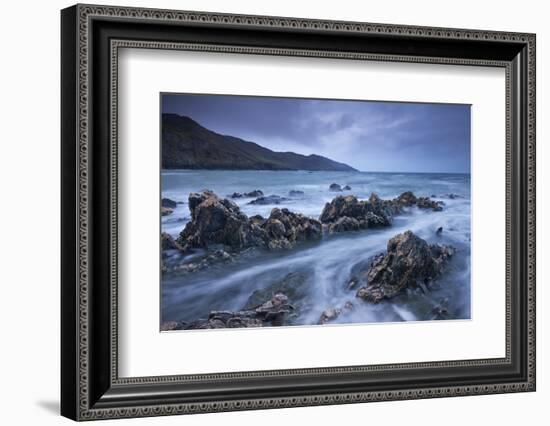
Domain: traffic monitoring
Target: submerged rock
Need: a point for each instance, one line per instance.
(295, 193)
(292, 285)
(346, 188)
(251, 194)
(409, 262)
(331, 314)
(439, 231)
(165, 211)
(167, 202)
(334, 187)
(269, 199)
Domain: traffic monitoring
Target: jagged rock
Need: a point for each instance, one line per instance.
(331, 314)
(328, 315)
(214, 221)
(347, 213)
(251, 194)
(220, 221)
(168, 243)
(270, 312)
(283, 229)
(165, 211)
(344, 224)
(295, 193)
(409, 263)
(269, 199)
(439, 230)
(167, 202)
(334, 187)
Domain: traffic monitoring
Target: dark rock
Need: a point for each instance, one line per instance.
(283, 229)
(331, 314)
(439, 230)
(167, 202)
(346, 188)
(328, 315)
(344, 224)
(274, 310)
(269, 199)
(168, 243)
(165, 211)
(347, 213)
(270, 312)
(251, 194)
(214, 221)
(408, 262)
(427, 203)
(293, 285)
(295, 193)
(220, 221)
(334, 187)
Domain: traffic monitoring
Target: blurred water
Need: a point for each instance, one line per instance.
(328, 264)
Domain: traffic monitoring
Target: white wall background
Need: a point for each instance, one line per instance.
(29, 216)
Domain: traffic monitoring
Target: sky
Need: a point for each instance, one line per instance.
(369, 136)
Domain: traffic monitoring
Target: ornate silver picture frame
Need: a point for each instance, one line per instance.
(91, 39)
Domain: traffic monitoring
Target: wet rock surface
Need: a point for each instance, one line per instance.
(331, 314)
(334, 187)
(269, 199)
(269, 313)
(167, 202)
(295, 193)
(220, 221)
(410, 262)
(169, 243)
(347, 213)
(252, 194)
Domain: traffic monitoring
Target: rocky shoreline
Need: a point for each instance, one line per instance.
(222, 233)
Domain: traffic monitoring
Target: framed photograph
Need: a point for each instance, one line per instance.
(263, 212)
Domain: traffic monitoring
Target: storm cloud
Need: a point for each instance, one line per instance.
(367, 135)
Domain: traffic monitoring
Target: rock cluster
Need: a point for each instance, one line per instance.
(220, 221)
(271, 312)
(409, 262)
(347, 213)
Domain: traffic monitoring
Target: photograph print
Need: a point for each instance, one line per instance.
(312, 212)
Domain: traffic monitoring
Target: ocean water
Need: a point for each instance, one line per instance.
(328, 264)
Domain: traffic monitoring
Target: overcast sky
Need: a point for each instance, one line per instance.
(370, 136)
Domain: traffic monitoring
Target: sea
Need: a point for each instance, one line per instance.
(328, 264)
